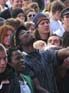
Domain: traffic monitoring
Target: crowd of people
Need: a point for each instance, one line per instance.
(34, 46)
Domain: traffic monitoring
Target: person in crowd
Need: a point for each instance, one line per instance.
(56, 26)
(8, 79)
(65, 18)
(66, 3)
(2, 21)
(30, 14)
(16, 3)
(30, 26)
(13, 22)
(40, 3)
(8, 12)
(18, 13)
(35, 6)
(6, 32)
(41, 67)
(3, 5)
(54, 40)
(16, 60)
(42, 26)
(63, 71)
(25, 3)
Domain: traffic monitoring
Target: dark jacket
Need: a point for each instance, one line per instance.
(13, 86)
(42, 66)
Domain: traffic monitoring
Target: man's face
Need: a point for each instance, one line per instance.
(44, 27)
(3, 61)
(17, 61)
(17, 3)
(26, 38)
(54, 40)
(65, 20)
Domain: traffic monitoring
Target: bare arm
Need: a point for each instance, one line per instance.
(63, 53)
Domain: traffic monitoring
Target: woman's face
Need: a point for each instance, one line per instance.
(6, 40)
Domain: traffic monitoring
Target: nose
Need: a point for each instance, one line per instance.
(52, 42)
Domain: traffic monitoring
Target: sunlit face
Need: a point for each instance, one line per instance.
(3, 61)
(44, 27)
(17, 3)
(6, 40)
(54, 40)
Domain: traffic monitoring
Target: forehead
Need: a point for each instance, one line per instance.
(16, 53)
(53, 38)
(16, 1)
(43, 21)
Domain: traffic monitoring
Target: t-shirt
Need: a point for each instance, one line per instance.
(56, 27)
(24, 87)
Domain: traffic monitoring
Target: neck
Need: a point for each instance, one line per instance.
(28, 49)
(66, 28)
(44, 36)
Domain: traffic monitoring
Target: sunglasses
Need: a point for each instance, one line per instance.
(31, 15)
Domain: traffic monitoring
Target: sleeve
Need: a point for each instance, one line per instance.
(52, 57)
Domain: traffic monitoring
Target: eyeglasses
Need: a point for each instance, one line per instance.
(31, 15)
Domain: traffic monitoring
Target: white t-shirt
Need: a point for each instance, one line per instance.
(24, 87)
(56, 27)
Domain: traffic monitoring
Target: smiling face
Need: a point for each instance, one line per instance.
(17, 3)
(17, 61)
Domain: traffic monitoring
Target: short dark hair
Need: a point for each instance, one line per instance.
(58, 37)
(9, 52)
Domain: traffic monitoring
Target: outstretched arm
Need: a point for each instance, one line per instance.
(63, 53)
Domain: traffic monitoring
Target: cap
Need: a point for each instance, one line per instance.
(65, 12)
